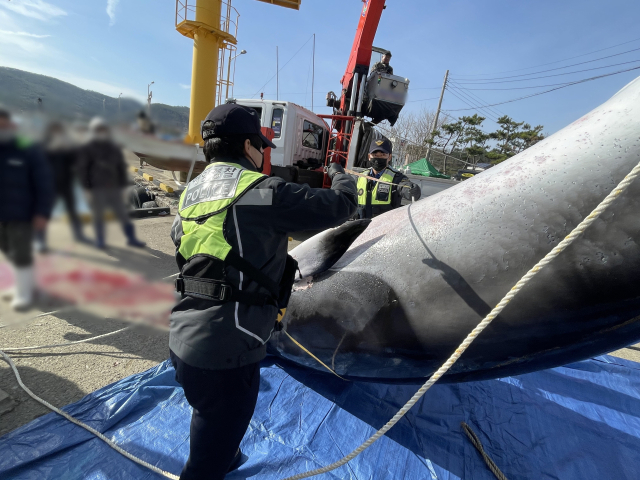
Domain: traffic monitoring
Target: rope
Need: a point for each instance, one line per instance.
(16, 349)
(95, 432)
(313, 356)
(353, 172)
(487, 459)
(549, 257)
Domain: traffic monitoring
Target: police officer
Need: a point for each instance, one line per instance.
(231, 240)
(383, 66)
(26, 200)
(374, 197)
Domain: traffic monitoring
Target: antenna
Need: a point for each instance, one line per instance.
(313, 69)
(277, 76)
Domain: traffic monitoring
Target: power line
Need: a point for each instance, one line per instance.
(477, 99)
(280, 69)
(551, 63)
(515, 88)
(423, 100)
(474, 107)
(497, 111)
(554, 75)
(553, 89)
(559, 68)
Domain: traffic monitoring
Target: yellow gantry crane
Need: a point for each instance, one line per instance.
(213, 26)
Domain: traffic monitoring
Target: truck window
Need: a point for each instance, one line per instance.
(312, 135)
(276, 121)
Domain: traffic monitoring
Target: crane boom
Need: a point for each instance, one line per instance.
(361, 50)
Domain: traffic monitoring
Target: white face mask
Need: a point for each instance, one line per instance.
(6, 135)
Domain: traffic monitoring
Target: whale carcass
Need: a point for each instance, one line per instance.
(418, 279)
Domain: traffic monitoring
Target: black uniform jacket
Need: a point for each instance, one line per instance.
(217, 335)
(401, 190)
(26, 186)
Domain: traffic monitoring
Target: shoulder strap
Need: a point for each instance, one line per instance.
(253, 273)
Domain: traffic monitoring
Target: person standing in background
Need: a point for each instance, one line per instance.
(103, 173)
(26, 199)
(62, 156)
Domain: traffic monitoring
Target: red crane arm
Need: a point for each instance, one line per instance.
(361, 50)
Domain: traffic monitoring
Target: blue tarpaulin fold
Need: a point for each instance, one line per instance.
(574, 422)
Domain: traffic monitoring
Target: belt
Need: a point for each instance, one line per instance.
(213, 290)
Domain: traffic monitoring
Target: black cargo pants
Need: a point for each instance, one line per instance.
(223, 402)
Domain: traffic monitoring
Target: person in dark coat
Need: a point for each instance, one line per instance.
(26, 199)
(376, 198)
(231, 247)
(383, 66)
(103, 173)
(62, 156)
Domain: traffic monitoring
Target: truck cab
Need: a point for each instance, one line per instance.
(299, 134)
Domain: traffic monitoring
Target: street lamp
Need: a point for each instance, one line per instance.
(242, 52)
(149, 95)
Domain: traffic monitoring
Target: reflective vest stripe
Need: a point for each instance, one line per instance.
(204, 204)
(381, 194)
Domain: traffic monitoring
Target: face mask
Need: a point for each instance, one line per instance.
(378, 164)
(255, 161)
(6, 135)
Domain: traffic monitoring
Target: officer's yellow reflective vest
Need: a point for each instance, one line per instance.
(204, 204)
(381, 194)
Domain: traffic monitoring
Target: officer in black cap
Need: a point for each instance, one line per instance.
(377, 197)
(235, 275)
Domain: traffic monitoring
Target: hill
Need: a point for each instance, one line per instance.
(20, 90)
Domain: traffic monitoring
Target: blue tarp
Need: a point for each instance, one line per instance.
(581, 421)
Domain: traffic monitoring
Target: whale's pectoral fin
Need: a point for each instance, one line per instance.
(323, 250)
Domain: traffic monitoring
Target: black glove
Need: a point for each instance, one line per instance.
(411, 191)
(334, 169)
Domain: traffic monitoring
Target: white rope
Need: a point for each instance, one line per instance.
(39, 347)
(80, 424)
(575, 233)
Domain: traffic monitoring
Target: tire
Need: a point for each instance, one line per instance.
(139, 196)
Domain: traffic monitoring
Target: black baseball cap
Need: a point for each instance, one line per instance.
(380, 145)
(233, 119)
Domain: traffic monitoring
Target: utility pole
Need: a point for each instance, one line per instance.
(313, 69)
(103, 107)
(435, 120)
(277, 76)
(119, 104)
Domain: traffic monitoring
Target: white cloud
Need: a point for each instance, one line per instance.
(22, 40)
(37, 9)
(186, 87)
(111, 10)
(23, 34)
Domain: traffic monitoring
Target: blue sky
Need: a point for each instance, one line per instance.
(114, 46)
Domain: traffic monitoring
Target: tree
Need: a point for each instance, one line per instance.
(506, 134)
(466, 136)
(530, 136)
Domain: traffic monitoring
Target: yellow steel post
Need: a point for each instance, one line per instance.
(206, 43)
(209, 36)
